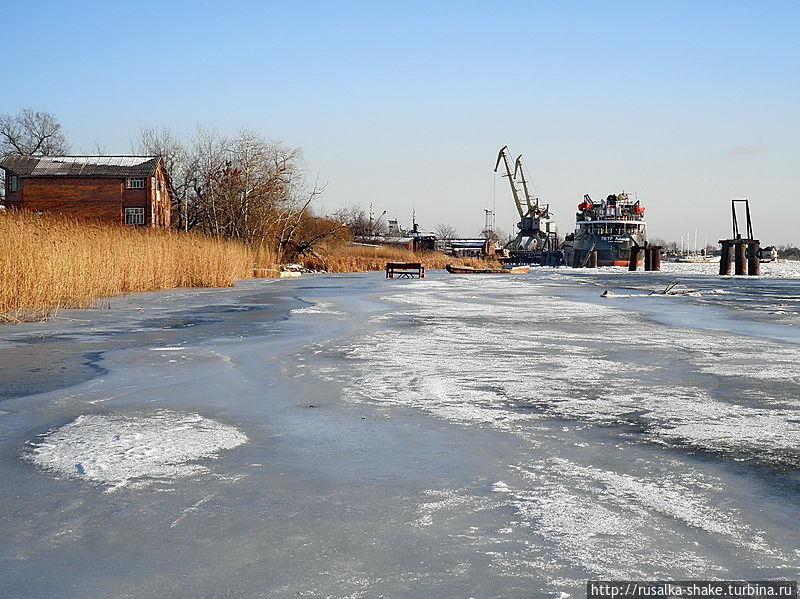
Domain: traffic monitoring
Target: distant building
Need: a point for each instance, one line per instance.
(768, 254)
(395, 230)
(422, 241)
(130, 190)
(414, 240)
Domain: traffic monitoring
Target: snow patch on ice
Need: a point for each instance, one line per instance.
(500, 487)
(615, 524)
(536, 360)
(318, 308)
(446, 504)
(137, 449)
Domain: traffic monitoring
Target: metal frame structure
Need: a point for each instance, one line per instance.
(736, 233)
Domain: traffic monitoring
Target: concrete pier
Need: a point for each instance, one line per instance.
(655, 261)
(739, 258)
(744, 255)
(634, 261)
(725, 258)
(652, 257)
(753, 263)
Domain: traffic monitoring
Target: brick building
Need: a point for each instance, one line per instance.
(131, 190)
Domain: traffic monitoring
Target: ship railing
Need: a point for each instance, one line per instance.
(634, 218)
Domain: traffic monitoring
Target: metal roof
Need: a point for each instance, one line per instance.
(468, 243)
(81, 166)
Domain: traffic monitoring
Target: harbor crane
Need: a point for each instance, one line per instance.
(519, 168)
(505, 157)
(537, 233)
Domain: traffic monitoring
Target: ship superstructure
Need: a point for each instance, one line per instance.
(611, 227)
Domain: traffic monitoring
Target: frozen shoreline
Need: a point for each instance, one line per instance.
(442, 457)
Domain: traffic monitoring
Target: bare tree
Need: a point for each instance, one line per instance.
(32, 133)
(258, 191)
(490, 235)
(244, 187)
(164, 143)
(667, 246)
(206, 162)
(445, 231)
(355, 219)
(502, 236)
(302, 231)
(359, 223)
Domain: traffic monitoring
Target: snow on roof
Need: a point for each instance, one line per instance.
(81, 166)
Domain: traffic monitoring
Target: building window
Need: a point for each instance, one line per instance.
(134, 183)
(134, 216)
(13, 183)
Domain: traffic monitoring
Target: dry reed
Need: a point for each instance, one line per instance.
(363, 258)
(50, 262)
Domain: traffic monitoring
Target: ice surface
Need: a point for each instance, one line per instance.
(318, 307)
(353, 436)
(789, 269)
(519, 357)
(140, 448)
(563, 357)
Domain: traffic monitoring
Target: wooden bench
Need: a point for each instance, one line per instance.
(405, 270)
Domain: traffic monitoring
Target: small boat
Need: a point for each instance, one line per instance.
(469, 270)
(697, 259)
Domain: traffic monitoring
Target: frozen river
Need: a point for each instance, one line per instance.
(348, 436)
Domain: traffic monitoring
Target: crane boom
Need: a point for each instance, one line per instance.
(503, 155)
(519, 167)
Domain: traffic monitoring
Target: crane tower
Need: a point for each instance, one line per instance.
(537, 235)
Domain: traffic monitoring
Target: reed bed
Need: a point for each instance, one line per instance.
(362, 258)
(51, 262)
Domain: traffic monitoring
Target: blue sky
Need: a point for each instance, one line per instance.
(405, 105)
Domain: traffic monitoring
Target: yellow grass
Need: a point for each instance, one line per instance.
(50, 262)
(359, 258)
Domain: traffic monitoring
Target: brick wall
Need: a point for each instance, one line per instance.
(137, 198)
(93, 197)
(161, 202)
(99, 199)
